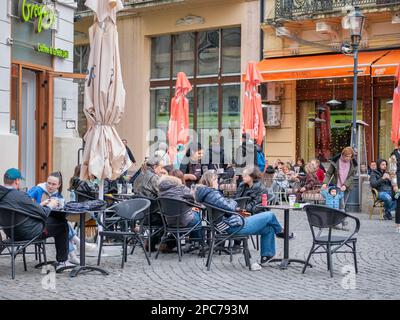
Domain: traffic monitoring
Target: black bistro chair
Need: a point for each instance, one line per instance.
(152, 226)
(322, 220)
(218, 238)
(9, 220)
(174, 209)
(131, 212)
(242, 202)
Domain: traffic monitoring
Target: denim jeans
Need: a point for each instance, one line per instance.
(196, 234)
(388, 201)
(264, 224)
(71, 234)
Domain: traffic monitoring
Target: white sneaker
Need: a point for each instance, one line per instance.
(255, 266)
(61, 266)
(90, 246)
(73, 258)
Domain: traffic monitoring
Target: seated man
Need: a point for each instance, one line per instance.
(55, 226)
(380, 180)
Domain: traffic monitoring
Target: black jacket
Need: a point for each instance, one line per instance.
(254, 192)
(170, 189)
(396, 153)
(376, 181)
(246, 155)
(20, 201)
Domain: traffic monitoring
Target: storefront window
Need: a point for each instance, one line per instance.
(231, 46)
(385, 128)
(231, 106)
(160, 57)
(325, 130)
(200, 52)
(208, 52)
(183, 53)
(159, 110)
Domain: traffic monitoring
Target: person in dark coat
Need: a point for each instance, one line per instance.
(246, 154)
(380, 180)
(192, 164)
(39, 220)
(172, 187)
(264, 224)
(341, 172)
(252, 187)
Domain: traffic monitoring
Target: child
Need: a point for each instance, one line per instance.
(332, 197)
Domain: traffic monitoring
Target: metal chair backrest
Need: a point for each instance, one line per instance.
(153, 202)
(12, 218)
(172, 207)
(323, 217)
(133, 209)
(242, 202)
(375, 194)
(216, 214)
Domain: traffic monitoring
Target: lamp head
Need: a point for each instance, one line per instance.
(356, 20)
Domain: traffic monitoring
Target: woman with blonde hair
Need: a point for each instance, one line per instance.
(264, 224)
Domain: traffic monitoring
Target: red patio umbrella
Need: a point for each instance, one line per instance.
(179, 119)
(396, 110)
(253, 122)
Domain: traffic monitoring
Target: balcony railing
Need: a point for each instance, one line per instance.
(290, 9)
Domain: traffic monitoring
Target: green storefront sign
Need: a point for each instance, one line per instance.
(64, 54)
(42, 15)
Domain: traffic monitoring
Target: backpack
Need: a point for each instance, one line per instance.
(261, 160)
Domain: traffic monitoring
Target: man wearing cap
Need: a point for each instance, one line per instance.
(55, 226)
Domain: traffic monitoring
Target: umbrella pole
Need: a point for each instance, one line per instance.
(101, 197)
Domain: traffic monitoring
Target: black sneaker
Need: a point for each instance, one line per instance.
(282, 235)
(388, 215)
(265, 260)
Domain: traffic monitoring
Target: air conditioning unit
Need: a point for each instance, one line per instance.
(272, 115)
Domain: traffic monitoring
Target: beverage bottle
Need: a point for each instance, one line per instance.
(264, 199)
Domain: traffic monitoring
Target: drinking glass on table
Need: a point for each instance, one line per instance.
(129, 188)
(119, 188)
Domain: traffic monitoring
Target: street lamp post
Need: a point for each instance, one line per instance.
(356, 22)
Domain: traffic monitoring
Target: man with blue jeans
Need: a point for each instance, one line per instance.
(380, 180)
(267, 226)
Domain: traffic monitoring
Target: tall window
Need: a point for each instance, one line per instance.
(211, 60)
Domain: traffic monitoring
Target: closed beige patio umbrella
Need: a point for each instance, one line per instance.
(104, 155)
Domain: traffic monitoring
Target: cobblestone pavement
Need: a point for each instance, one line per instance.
(166, 278)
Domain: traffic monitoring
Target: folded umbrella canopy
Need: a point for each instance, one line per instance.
(396, 110)
(178, 127)
(105, 154)
(253, 121)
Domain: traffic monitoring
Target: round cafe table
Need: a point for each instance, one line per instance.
(286, 260)
(82, 265)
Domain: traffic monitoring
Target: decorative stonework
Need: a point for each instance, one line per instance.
(190, 20)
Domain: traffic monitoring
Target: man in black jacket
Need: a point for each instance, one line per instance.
(55, 226)
(380, 180)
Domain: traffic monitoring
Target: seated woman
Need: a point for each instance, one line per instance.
(42, 193)
(311, 180)
(264, 224)
(173, 187)
(253, 188)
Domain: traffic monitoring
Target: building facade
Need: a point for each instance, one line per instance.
(312, 80)
(38, 110)
(211, 41)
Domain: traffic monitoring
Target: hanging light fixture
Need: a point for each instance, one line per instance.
(333, 102)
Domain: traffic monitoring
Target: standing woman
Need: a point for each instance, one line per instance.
(341, 172)
(396, 156)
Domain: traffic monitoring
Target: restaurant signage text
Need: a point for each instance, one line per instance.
(43, 15)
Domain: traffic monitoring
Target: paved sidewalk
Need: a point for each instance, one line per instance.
(166, 278)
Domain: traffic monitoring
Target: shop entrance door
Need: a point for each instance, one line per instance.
(28, 127)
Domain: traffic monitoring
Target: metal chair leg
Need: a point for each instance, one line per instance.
(308, 259)
(210, 253)
(355, 257)
(100, 249)
(24, 259)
